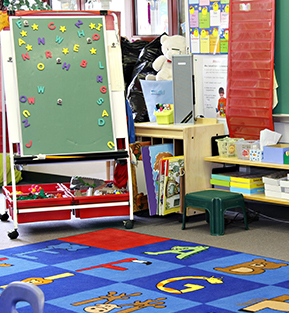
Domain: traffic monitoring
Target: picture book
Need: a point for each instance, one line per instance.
(172, 184)
(136, 148)
(162, 174)
(151, 156)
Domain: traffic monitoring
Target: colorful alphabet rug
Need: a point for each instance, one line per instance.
(121, 271)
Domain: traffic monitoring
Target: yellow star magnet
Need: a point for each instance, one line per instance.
(29, 47)
(92, 51)
(23, 33)
(34, 26)
(65, 51)
(62, 29)
(92, 26)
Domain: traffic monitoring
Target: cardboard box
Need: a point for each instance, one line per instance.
(275, 153)
(284, 183)
(273, 194)
(284, 195)
(274, 178)
(272, 187)
(285, 189)
(286, 157)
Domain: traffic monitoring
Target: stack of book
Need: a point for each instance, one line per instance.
(247, 184)
(221, 181)
(238, 182)
(272, 184)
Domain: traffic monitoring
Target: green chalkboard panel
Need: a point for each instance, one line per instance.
(63, 84)
(281, 55)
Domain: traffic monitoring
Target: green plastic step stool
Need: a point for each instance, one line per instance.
(216, 203)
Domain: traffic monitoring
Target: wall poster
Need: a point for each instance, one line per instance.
(215, 86)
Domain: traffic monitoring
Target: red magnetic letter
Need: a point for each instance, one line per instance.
(48, 54)
(95, 36)
(51, 26)
(103, 89)
(83, 63)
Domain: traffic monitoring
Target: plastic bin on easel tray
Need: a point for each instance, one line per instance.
(63, 199)
(250, 68)
(108, 205)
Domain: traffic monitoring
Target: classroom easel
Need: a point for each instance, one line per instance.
(117, 106)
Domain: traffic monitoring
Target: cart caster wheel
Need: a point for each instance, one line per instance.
(13, 234)
(4, 217)
(128, 224)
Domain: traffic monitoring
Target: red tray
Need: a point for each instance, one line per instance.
(119, 210)
(48, 188)
(95, 199)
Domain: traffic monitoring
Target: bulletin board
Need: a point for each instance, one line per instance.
(209, 26)
(63, 84)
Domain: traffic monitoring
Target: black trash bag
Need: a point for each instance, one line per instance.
(130, 53)
(142, 68)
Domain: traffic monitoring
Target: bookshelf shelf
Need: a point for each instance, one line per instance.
(255, 197)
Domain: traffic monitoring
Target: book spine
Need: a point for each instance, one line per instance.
(247, 186)
(246, 180)
(220, 182)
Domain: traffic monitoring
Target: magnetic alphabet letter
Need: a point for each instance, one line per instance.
(110, 144)
(83, 63)
(51, 26)
(28, 145)
(101, 122)
(100, 101)
(103, 89)
(40, 66)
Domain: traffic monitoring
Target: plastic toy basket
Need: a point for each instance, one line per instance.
(244, 146)
(227, 147)
(114, 204)
(27, 210)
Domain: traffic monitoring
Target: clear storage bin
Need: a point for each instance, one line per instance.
(244, 146)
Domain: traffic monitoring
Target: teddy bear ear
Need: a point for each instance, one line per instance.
(164, 38)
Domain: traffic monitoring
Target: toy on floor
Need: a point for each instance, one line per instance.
(21, 291)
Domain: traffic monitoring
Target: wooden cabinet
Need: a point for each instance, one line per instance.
(191, 140)
(256, 197)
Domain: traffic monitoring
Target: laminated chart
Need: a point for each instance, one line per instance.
(63, 85)
(209, 26)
